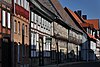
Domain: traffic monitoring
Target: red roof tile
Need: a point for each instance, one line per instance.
(95, 23)
(81, 23)
(74, 15)
(87, 25)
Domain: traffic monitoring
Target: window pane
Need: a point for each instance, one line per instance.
(35, 18)
(23, 29)
(14, 25)
(3, 18)
(25, 4)
(31, 24)
(8, 20)
(31, 16)
(26, 30)
(19, 2)
(18, 53)
(31, 38)
(18, 27)
(14, 1)
(22, 3)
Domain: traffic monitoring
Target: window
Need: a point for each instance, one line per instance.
(31, 16)
(33, 44)
(97, 33)
(45, 24)
(49, 26)
(33, 38)
(3, 18)
(25, 4)
(35, 18)
(42, 22)
(18, 1)
(23, 29)
(31, 24)
(14, 1)
(91, 32)
(47, 47)
(23, 50)
(18, 27)
(22, 3)
(26, 30)
(8, 19)
(15, 26)
(87, 30)
(18, 57)
(39, 18)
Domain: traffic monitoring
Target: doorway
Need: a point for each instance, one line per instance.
(6, 52)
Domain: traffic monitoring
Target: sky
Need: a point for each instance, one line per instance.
(91, 8)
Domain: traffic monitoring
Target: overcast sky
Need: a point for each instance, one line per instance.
(89, 7)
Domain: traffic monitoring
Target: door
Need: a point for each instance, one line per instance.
(41, 61)
(6, 52)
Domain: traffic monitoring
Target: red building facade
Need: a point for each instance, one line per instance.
(5, 33)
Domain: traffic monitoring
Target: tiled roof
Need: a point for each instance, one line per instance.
(81, 23)
(48, 5)
(95, 23)
(63, 14)
(87, 25)
(74, 15)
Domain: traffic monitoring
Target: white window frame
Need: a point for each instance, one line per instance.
(3, 18)
(8, 19)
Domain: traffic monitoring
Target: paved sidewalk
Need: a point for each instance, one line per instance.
(63, 64)
(74, 64)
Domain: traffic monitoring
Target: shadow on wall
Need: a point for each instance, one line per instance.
(92, 56)
(72, 57)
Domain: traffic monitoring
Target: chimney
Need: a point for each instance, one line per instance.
(84, 17)
(79, 12)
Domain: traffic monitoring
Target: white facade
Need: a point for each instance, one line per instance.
(40, 27)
